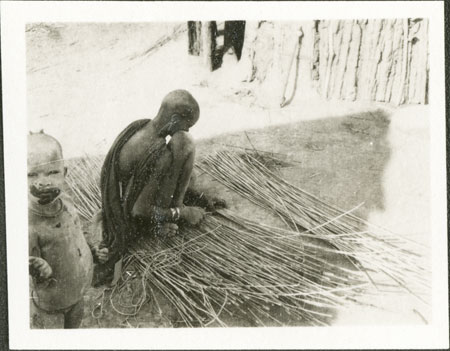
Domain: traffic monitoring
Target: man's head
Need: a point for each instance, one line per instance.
(179, 111)
(46, 171)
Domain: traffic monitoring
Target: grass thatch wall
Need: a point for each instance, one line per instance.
(382, 60)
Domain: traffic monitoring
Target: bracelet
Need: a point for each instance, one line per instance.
(177, 209)
(174, 213)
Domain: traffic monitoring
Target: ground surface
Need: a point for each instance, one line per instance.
(85, 84)
(346, 161)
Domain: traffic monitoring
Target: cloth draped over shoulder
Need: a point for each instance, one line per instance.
(120, 195)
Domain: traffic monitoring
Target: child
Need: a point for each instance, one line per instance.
(60, 259)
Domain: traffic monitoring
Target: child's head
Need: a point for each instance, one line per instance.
(46, 171)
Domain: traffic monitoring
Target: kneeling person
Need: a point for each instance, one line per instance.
(144, 179)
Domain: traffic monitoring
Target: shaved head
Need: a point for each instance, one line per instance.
(180, 102)
(43, 148)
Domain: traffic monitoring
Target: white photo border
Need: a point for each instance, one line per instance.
(14, 16)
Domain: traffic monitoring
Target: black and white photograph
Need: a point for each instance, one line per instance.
(226, 172)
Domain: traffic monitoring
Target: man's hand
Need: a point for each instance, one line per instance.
(215, 204)
(39, 268)
(192, 215)
(166, 230)
(102, 255)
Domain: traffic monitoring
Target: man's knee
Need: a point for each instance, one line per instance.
(182, 144)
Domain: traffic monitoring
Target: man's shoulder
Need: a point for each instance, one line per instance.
(123, 139)
(136, 125)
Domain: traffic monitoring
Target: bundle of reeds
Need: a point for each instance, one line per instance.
(83, 179)
(231, 265)
(380, 256)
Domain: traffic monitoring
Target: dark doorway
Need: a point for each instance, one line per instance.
(234, 36)
(213, 39)
(229, 34)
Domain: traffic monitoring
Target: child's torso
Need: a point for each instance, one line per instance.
(62, 244)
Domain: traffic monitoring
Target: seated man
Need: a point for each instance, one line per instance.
(144, 179)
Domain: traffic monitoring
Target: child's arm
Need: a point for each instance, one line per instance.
(38, 267)
(94, 238)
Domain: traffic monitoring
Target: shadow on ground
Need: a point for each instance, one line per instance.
(340, 160)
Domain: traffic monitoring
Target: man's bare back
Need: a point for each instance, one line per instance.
(179, 112)
(153, 200)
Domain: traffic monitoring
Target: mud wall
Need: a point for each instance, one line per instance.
(382, 60)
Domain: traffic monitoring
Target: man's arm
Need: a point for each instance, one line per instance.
(146, 208)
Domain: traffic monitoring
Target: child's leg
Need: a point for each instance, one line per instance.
(40, 319)
(74, 316)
